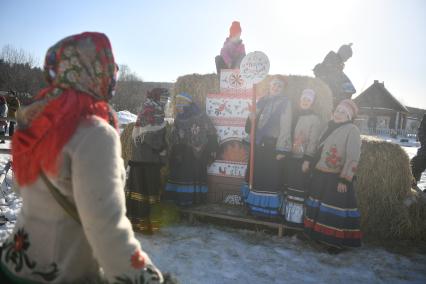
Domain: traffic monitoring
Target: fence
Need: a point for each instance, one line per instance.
(389, 132)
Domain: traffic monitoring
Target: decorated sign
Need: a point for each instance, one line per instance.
(229, 111)
(254, 67)
(231, 81)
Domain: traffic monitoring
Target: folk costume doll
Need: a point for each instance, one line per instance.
(331, 72)
(305, 140)
(233, 50)
(193, 146)
(332, 215)
(148, 156)
(272, 145)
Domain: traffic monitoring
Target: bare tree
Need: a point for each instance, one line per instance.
(12, 55)
(19, 72)
(127, 75)
(129, 91)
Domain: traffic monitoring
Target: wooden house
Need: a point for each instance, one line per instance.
(379, 109)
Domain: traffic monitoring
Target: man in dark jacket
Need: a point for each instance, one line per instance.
(331, 72)
(418, 163)
(13, 106)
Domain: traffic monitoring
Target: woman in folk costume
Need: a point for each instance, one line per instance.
(332, 215)
(67, 163)
(233, 50)
(305, 140)
(273, 143)
(193, 147)
(148, 156)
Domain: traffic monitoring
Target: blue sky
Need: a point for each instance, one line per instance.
(162, 40)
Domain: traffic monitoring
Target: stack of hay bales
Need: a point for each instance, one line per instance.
(383, 183)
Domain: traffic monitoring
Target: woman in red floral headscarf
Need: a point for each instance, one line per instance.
(69, 172)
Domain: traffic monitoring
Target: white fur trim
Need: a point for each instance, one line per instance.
(139, 131)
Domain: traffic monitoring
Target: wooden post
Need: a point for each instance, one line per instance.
(191, 218)
(252, 136)
(280, 230)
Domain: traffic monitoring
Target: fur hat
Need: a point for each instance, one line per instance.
(350, 108)
(157, 93)
(345, 52)
(309, 93)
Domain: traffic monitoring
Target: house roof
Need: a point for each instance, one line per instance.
(378, 97)
(416, 113)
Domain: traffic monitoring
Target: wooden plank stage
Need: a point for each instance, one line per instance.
(232, 213)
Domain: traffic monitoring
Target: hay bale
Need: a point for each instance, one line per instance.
(383, 183)
(126, 142)
(198, 86)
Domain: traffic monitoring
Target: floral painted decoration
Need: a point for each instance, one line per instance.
(332, 160)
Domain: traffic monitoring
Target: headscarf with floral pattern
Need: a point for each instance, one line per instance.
(81, 74)
(151, 115)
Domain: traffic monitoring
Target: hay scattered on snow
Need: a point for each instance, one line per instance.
(383, 183)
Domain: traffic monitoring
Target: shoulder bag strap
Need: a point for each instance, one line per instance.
(61, 199)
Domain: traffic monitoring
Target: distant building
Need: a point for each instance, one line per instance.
(380, 110)
(414, 118)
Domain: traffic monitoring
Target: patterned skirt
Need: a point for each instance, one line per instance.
(187, 182)
(143, 192)
(295, 193)
(332, 217)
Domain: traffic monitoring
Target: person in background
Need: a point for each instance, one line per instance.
(332, 216)
(418, 162)
(331, 72)
(193, 147)
(233, 50)
(305, 140)
(13, 104)
(272, 145)
(68, 169)
(3, 117)
(148, 156)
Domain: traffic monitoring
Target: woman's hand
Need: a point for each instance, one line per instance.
(305, 166)
(342, 188)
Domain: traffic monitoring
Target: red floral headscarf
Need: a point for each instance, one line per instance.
(81, 73)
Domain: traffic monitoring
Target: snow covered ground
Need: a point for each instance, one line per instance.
(209, 254)
(203, 253)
